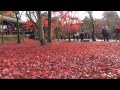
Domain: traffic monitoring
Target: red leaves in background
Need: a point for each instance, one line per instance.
(60, 21)
(28, 25)
(75, 27)
(96, 60)
(66, 20)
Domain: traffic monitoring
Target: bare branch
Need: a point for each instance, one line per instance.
(29, 16)
(35, 16)
(20, 14)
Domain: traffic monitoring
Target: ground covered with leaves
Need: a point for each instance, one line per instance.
(60, 60)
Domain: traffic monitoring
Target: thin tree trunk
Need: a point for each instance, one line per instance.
(18, 33)
(40, 29)
(93, 33)
(49, 26)
(70, 34)
(69, 37)
(23, 35)
(93, 29)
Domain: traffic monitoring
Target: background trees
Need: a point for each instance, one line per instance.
(68, 21)
(49, 24)
(111, 18)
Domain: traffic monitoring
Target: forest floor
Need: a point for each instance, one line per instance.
(60, 60)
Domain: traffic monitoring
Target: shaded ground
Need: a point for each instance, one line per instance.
(60, 60)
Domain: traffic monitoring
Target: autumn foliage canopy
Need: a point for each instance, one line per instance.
(61, 20)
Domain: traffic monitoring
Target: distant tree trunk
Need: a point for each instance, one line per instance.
(23, 35)
(69, 37)
(93, 33)
(40, 29)
(70, 34)
(18, 33)
(49, 26)
(92, 22)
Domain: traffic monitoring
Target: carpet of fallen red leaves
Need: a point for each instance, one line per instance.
(60, 60)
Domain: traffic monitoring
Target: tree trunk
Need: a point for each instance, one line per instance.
(70, 34)
(23, 35)
(69, 37)
(40, 29)
(18, 33)
(93, 29)
(49, 26)
(108, 23)
(93, 33)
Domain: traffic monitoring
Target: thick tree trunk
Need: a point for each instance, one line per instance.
(49, 26)
(40, 29)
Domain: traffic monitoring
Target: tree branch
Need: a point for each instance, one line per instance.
(30, 18)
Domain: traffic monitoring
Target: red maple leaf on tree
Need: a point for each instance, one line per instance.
(62, 20)
(68, 21)
(28, 24)
(74, 27)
